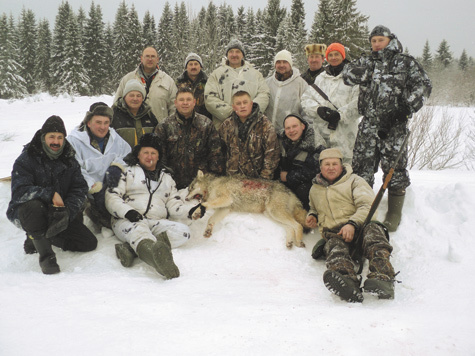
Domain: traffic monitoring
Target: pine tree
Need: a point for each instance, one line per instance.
(463, 61)
(426, 56)
(134, 38)
(262, 53)
(12, 85)
(299, 34)
(43, 57)
(226, 25)
(95, 54)
(165, 38)
(81, 21)
(110, 82)
(181, 42)
(149, 35)
(284, 35)
(272, 17)
(248, 36)
(240, 22)
(196, 35)
(58, 53)
(444, 56)
(212, 54)
(28, 46)
(122, 48)
(73, 78)
(351, 28)
(323, 23)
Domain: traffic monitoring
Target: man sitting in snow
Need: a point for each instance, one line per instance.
(48, 194)
(99, 149)
(339, 203)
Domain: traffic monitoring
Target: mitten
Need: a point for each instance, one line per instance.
(112, 176)
(133, 216)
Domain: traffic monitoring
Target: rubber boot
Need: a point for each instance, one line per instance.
(47, 257)
(383, 289)
(343, 286)
(158, 255)
(125, 253)
(395, 203)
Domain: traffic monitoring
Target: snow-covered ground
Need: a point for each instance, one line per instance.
(241, 292)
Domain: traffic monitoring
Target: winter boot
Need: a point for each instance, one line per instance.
(159, 256)
(343, 286)
(47, 257)
(125, 253)
(383, 289)
(28, 246)
(395, 203)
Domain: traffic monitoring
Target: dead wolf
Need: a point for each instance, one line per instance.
(241, 194)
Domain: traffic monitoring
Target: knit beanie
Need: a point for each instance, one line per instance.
(315, 48)
(330, 153)
(193, 57)
(336, 47)
(296, 116)
(134, 85)
(235, 43)
(381, 30)
(53, 124)
(283, 55)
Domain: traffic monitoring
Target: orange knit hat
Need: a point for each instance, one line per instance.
(335, 47)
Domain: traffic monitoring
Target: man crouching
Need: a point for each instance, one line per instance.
(48, 195)
(339, 203)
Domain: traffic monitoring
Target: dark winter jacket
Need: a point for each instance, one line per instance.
(189, 145)
(309, 76)
(393, 85)
(300, 158)
(36, 176)
(130, 127)
(258, 155)
(198, 88)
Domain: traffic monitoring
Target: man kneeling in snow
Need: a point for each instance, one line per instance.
(339, 203)
(48, 194)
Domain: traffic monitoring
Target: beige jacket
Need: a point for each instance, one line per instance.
(349, 198)
(161, 96)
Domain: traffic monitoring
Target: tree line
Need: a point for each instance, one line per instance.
(83, 55)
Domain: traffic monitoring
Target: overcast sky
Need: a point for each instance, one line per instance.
(413, 21)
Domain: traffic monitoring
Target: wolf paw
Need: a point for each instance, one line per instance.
(208, 231)
(196, 215)
(300, 244)
(289, 244)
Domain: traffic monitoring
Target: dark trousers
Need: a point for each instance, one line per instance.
(77, 237)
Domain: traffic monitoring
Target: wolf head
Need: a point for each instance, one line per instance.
(199, 186)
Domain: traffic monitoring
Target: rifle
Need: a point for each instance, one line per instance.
(322, 93)
(357, 253)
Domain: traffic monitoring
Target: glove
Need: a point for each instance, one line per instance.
(133, 216)
(112, 176)
(58, 220)
(192, 210)
(330, 116)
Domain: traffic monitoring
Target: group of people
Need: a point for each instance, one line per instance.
(322, 133)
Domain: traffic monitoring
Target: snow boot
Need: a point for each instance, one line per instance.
(28, 246)
(343, 286)
(395, 203)
(125, 253)
(158, 255)
(383, 289)
(48, 262)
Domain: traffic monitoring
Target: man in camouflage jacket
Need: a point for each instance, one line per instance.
(194, 78)
(393, 86)
(252, 146)
(190, 141)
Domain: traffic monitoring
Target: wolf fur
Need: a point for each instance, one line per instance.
(241, 194)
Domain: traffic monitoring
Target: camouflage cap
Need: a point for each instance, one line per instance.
(381, 30)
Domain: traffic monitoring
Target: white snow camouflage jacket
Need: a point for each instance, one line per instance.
(225, 81)
(285, 98)
(94, 163)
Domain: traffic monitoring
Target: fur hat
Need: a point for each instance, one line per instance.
(315, 48)
(193, 57)
(98, 108)
(150, 140)
(381, 30)
(53, 124)
(283, 55)
(235, 43)
(336, 47)
(134, 85)
(330, 153)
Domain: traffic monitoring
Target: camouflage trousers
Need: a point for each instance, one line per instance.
(376, 249)
(370, 151)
